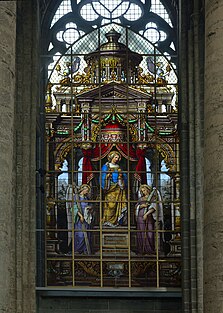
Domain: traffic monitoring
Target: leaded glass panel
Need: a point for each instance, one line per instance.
(112, 179)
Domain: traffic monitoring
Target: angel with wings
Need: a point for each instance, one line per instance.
(79, 218)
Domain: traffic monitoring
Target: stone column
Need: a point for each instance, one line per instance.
(7, 104)
(26, 107)
(196, 122)
(191, 67)
(213, 158)
(184, 152)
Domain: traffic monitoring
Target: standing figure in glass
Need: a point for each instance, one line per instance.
(148, 210)
(114, 183)
(82, 218)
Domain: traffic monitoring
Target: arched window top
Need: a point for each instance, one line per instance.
(152, 19)
(64, 8)
(111, 10)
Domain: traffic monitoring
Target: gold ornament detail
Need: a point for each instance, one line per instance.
(95, 132)
(134, 133)
(144, 78)
(140, 268)
(62, 151)
(48, 104)
(90, 268)
(82, 78)
(168, 155)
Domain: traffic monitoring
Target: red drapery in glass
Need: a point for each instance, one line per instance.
(127, 151)
(87, 166)
(140, 173)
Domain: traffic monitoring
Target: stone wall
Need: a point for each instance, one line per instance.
(108, 305)
(7, 153)
(213, 170)
(24, 165)
(19, 95)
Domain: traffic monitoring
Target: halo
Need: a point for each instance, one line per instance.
(145, 186)
(82, 187)
(112, 154)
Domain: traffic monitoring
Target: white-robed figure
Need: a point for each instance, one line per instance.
(79, 214)
(149, 217)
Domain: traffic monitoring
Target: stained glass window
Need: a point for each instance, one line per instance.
(64, 8)
(112, 149)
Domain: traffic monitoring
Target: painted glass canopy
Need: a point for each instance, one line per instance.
(112, 147)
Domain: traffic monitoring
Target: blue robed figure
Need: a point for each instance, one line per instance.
(114, 184)
(82, 219)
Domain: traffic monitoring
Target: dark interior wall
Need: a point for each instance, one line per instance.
(108, 305)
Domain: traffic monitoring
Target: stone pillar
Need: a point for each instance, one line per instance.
(184, 152)
(7, 104)
(196, 128)
(26, 106)
(191, 151)
(19, 98)
(213, 158)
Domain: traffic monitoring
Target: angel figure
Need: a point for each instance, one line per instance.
(79, 214)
